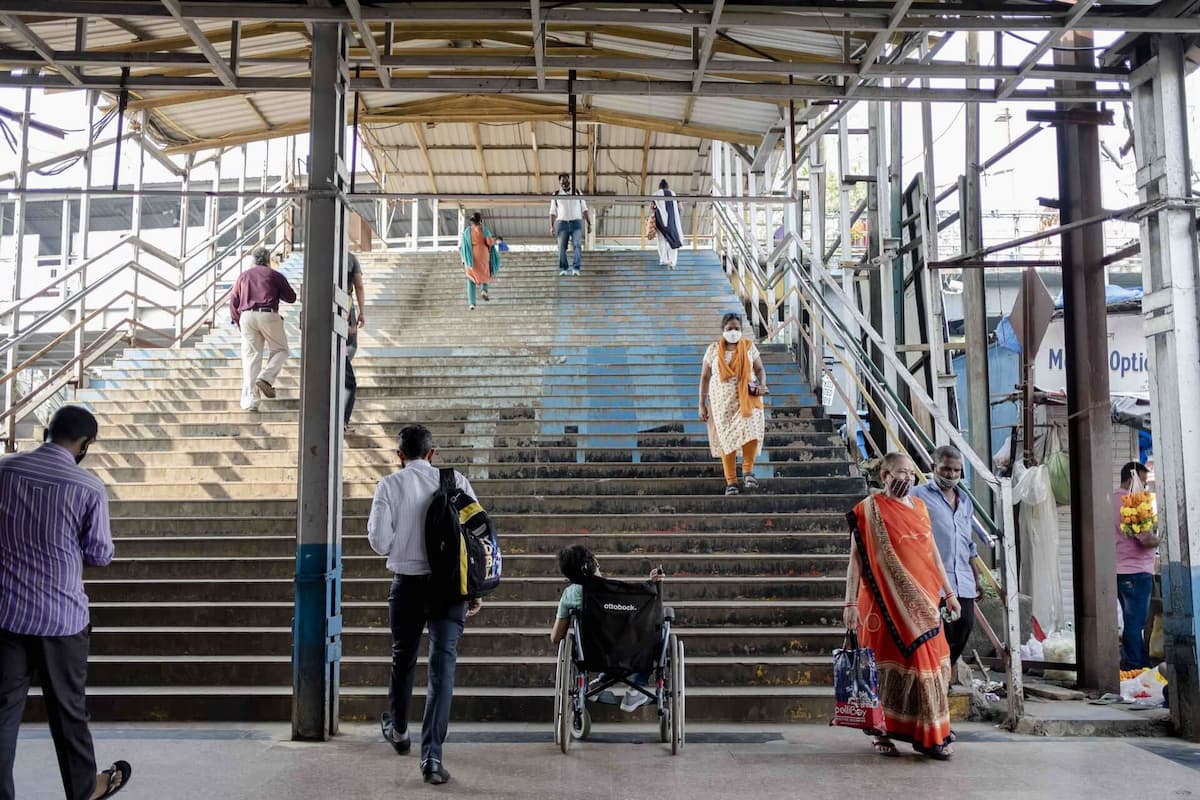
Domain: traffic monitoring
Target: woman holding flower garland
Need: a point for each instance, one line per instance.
(1137, 540)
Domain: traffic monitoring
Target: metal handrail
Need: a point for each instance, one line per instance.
(817, 292)
(267, 224)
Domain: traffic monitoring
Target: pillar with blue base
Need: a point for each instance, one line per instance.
(317, 624)
(1170, 265)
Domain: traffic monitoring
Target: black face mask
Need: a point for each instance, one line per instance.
(82, 453)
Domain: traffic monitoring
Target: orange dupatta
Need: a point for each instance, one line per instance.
(895, 544)
(740, 368)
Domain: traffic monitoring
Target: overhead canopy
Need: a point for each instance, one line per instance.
(472, 97)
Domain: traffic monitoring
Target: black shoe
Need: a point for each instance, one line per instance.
(401, 746)
(435, 774)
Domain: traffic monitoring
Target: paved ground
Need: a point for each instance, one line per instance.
(809, 761)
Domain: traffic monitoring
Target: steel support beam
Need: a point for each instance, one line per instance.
(539, 42)
(706, 45)
(368, 40)
(1089, 425)
(1172, 307)
(316, 653)
(1048, 41)
(41, 48)
(979, 409)
(215, 60)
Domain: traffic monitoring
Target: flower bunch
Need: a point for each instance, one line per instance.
(1137, 513)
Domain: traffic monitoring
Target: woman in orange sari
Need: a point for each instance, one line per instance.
(893, 587)
(480, 262)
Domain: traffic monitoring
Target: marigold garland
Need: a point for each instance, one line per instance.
(1137, 513)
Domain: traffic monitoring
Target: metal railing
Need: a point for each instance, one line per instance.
(111, 306)
(828, 316)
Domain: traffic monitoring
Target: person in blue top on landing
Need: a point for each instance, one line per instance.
(577, 564)
(951, 515)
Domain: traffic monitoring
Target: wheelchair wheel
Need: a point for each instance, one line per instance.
(677, 695)
(581, 725)
(562, 695)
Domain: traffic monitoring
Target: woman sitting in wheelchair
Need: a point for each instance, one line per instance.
(579, 566)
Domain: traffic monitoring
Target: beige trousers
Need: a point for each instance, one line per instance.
(261, 330)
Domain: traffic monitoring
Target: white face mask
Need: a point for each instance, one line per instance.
(733, 337)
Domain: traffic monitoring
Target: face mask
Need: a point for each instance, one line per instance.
(81, 455)
(899, 486)
(733, 337)
(945, 483)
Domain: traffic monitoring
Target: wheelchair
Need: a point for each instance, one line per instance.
(622, 630)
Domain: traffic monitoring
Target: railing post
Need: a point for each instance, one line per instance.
(415, 220)
(184, 204)
(212, 213)
(1012, 607)
(136, 212)
(10, 388)
(437, 232)
(85, 213)
(241, 201)
(816, 194)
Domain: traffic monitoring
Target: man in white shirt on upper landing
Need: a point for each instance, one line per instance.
(396, 529)
(568, 215)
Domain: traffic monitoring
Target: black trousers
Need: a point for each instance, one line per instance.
(351, 392)
(60, 663)
(411, 607)
(959, 631)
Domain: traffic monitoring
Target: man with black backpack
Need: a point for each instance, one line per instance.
(417, 504)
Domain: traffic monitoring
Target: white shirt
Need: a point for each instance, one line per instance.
(566, 208)
(396, 527)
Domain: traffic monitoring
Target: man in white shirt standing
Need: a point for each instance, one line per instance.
(396, 529)
(568, 215)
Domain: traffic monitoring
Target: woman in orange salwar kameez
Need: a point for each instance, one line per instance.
(893, 587)
(479, 262)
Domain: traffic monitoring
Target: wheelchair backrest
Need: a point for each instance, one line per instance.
(620, 628)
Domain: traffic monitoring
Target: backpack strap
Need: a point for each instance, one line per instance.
(446, 480)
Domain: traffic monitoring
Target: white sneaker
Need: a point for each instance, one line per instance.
(575, 273)
(633, 699)
(562, 273)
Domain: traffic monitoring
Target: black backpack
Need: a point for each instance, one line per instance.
(460, 542)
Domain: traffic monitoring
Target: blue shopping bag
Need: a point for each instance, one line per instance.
(856, 688)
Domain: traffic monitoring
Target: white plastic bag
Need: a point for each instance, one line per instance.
(1039, 539)
(1032, 650)
(1061, 648)
(1146, 689)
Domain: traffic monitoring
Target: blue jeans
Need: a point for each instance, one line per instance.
(573, 230)
(1133, 593)
(410, 605)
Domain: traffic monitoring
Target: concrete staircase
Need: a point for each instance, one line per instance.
(570, 403)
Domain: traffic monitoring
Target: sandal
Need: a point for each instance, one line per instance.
(941, 752)
(732, 489)
(751, 482)
(886, 748)
(124, 769)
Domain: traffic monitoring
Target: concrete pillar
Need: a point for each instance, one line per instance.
(1172, 309)
(316, 653)
(1089, 422)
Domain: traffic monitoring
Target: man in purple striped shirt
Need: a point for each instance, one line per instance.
(53, 522)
